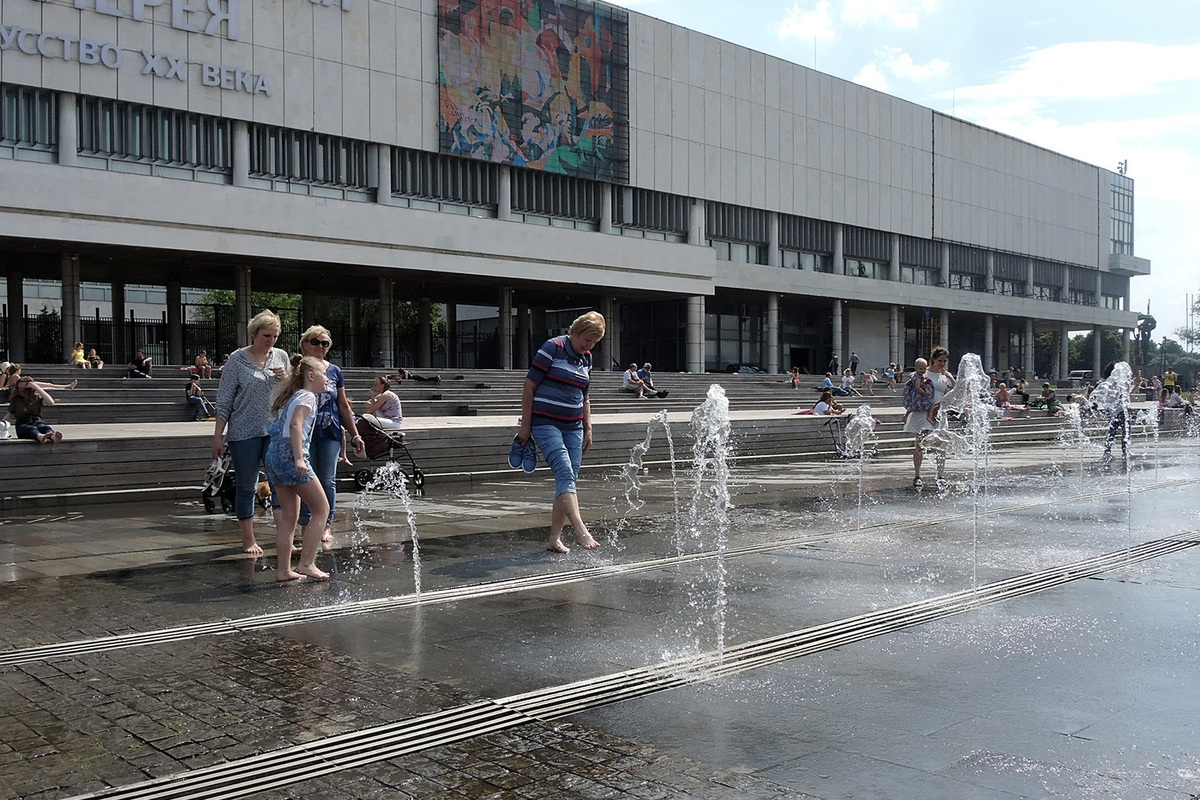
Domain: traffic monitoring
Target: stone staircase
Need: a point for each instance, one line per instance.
(128, 440)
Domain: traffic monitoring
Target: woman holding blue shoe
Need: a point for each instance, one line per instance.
(557, 417)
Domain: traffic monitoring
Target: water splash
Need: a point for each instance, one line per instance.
(860, 444)
(708, 517)
(631, 476)
(970, 401)
(387, 483)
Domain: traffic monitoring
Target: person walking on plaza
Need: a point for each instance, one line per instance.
(854, 362)
(942, 381)
(333, 416)
(556, 414)
(289, 469)
(244, 413)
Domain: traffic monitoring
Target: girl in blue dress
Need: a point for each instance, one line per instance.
(289, 470)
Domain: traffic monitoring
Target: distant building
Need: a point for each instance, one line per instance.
(717, 204)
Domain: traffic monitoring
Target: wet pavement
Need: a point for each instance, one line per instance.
(845, 668)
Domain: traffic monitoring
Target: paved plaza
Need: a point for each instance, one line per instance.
(1031, 631)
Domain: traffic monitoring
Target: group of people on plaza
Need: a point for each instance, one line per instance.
(25, 399)
(641, 381)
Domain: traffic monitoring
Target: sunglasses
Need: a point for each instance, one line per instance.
(320, 342)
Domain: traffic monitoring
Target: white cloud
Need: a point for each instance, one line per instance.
(894, 13)
(1089, 71)
(901, 65)
(807, 23)
(872, 78)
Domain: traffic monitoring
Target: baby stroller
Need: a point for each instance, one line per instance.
(220, 483)
(385, 445)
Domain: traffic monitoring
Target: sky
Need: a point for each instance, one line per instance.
(1104, 81)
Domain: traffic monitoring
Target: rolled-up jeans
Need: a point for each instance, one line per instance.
(323, 454)
(563, 451)
(247, 456)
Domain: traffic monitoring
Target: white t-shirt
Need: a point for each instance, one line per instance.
(627, 378)
(821, 409)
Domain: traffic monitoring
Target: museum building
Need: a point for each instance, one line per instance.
(532, 158)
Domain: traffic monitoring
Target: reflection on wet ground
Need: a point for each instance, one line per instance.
(1074, 691)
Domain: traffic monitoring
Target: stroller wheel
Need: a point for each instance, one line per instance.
(362, 478)
(418, 478)
(210, 505)
(226, 505)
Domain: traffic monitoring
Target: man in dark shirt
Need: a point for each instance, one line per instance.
(140, 366)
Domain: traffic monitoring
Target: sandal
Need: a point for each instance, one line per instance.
(918, 483)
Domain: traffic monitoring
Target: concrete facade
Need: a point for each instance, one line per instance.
(709, 121)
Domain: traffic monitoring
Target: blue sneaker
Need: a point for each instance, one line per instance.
(516, 454)
(529, 461)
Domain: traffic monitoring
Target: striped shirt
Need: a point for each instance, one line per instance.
(562, 377)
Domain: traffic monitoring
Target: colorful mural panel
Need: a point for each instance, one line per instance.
(536, 83)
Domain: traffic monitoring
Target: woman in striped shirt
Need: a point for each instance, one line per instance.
(556, 413)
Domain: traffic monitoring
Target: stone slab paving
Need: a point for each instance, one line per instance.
(916, 714)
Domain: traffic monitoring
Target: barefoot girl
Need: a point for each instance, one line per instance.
(295, 405)
(556, 414)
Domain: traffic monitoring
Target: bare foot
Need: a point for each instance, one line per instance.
(252, 548)
(585, 540)
(56, 437)
(290, 575)
(312, 572)
(327, 536)
(556, 546)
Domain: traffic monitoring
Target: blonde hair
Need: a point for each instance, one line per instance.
(263, 319)
(316, 330)
(295, 380)
(590, 324)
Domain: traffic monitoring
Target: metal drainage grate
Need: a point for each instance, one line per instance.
(281, 768)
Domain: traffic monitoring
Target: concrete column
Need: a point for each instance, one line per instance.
(452, 360)
(240, 150)
(385, 343)
(383, 174)
(612, 322)
(894, 354)
(773, 327)
(1066, 290)
(308, 308)
(627, 205)
(1124, 345)
(990, 279)
(945, 265)
(523, 354)
(70, 304)
(121, 351)
(424, 333)
(1097, 337)
(504, 344)
(1029, 277)
(944, 333)
(353, 316)
(836, 335)
(68, 133)
(606, 207)
(695, 334)
(1027, 364)
(1064, 352)
(696, 232)
(241, 303)
(774, 257)
(604, 351)
(989, 341)
(839, 258)
(16, 316)
(504, 194)
(175, 354)
(894, 263)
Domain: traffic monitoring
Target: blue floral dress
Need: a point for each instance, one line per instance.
(279, 461)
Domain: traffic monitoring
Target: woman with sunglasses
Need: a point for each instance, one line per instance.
(333, 415)
(244, 413)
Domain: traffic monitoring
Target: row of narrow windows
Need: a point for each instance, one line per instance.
(132, 132)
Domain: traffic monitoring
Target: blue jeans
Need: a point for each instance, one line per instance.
(247, 457)
(563, 451)
(323, 455)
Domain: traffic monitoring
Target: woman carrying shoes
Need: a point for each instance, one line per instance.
(557, 416)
